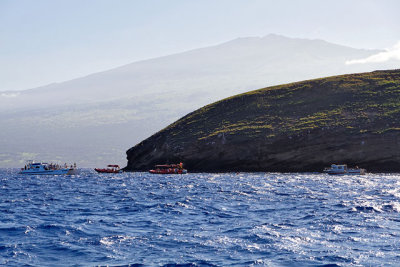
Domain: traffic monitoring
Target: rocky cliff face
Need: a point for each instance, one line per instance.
(296, 127)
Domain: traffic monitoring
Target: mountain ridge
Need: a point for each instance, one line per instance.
(195, 50)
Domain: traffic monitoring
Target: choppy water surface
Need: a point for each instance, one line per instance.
(199, 219)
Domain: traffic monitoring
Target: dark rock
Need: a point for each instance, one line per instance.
(298, 127)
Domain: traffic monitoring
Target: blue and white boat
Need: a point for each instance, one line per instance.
(342, 169)
(41, 168)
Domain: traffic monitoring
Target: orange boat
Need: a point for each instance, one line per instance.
(169, 169)
(109, 169)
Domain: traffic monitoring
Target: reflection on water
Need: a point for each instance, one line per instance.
(200, 219)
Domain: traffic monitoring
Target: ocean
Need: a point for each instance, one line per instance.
(199, 219)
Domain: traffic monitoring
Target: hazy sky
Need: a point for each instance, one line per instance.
(45, 41)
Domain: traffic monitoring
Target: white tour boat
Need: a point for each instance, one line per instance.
(342, 169)
(41, 168)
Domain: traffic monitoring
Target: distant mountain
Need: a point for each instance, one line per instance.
(297, 127)
(91, 120)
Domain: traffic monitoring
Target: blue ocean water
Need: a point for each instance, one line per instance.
(245, 219)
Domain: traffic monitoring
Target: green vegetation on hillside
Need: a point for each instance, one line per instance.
(367, 102)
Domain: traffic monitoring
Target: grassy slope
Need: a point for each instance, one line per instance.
(367, 102)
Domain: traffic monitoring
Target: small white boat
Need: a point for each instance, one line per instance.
(41, 168)
(341, 169)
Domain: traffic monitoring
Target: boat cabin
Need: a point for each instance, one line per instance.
(335, 167)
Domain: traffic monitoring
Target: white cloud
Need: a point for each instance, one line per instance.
(389, 54)
(9, 94)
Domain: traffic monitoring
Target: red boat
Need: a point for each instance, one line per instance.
(169, 169)
(109, 169)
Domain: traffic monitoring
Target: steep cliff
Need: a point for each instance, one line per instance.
(301, 126)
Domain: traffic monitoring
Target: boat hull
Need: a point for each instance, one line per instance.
(180, 171)
(348, 172)
(50, 172)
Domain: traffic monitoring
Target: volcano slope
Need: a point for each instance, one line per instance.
(297, 127)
